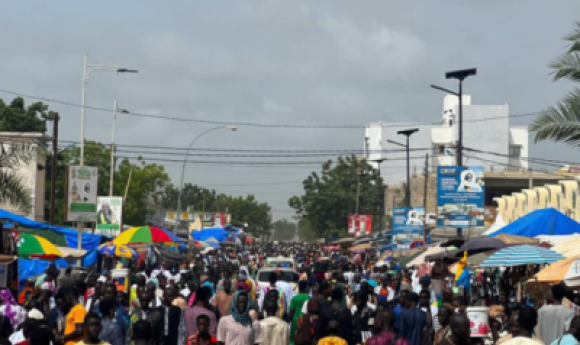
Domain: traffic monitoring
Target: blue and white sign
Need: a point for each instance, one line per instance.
(407, 225)
(460, 197)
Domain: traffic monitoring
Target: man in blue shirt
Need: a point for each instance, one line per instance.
(399, 308)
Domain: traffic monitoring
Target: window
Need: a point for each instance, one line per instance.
(515, 151)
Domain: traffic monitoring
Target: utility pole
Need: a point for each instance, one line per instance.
(55, 120)
(381, 207)
(426, 171)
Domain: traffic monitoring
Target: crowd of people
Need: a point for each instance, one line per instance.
(214, 298)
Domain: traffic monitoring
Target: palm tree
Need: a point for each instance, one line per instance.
(562, 122)
(12, 190)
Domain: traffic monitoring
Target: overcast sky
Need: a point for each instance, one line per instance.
(303, 62)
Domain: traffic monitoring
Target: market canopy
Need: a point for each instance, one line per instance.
(360, 247)
(514, 239)
(218, 233)
(522, 255)
(479, 245)
(548, 221)
(556, 272)
(420, 259)
(568, 249)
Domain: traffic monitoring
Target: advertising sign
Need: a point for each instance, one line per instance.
(359, 224)
(109, 215)
(172, 216)
(81, 202)
(460, 197)
(407, 225)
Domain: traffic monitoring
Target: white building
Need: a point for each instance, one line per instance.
(485, 128)
(32, 173)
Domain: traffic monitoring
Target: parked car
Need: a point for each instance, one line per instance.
(263, 278)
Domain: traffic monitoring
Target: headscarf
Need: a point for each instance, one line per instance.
(10, 305)
(242, 318)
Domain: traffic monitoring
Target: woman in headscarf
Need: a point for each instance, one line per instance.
(10, 308)
(239, 328)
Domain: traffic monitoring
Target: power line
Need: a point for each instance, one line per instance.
(543, 161)
(250, 124)
(233, 162)
(354, 151)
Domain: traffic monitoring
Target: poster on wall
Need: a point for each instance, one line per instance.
(408, 225)
(460, 197)
(109, 215)
(81, 201)
(359, 224)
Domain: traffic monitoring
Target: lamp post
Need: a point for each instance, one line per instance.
(407, 133)
(460, 75)
(229, 128)
(116, 110)
(382, 191)
(87, 70)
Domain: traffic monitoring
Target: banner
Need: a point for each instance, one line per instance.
(407, 225)
(109, 215)
(81, 198)
(359, 224)
(460, 197)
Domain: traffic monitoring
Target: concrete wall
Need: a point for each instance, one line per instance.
(519, 137)
(32, 177)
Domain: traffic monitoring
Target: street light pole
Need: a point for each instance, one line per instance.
(116, 110)
(460, 75)
(178, 218)
(382, 191)
(87, 70)
(407, 133)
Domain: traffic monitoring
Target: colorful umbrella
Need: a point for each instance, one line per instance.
(36, 247)
(557, 271)
(146, 234)
(522, 255)
(121, 251)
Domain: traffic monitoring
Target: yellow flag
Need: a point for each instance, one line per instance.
(461, 266)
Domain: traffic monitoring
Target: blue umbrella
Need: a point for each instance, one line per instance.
(522, 255)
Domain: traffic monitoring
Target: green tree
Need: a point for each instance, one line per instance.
(13, 191)
(562, 122)
(283, 230)
(329, 197)
(16, 117)
(146, 185)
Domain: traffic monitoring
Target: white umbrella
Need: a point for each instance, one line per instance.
(421, 258)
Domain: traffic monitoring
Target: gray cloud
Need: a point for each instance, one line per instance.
(302, 62)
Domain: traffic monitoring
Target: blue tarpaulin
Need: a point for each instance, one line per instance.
(548, 221)
(31, 268)
(218, 233)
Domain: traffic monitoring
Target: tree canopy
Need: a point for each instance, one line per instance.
(147, 180)
(283, 230)
(16, 117)
(562, 122)
(329, 197)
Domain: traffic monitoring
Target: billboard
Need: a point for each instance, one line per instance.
(109, 215)
(359, 224)
(460, 197)
(407, 225)
(81, 198)
(172, 216)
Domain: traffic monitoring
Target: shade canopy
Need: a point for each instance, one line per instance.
(547, 221)
(568, 249)
(146, 234)
(36, 247)
(405, 260)
(478, 245)
(420, 259)
(556, 272)
(515, 239)
(121, 251)
(359, 247)
(522, 255)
